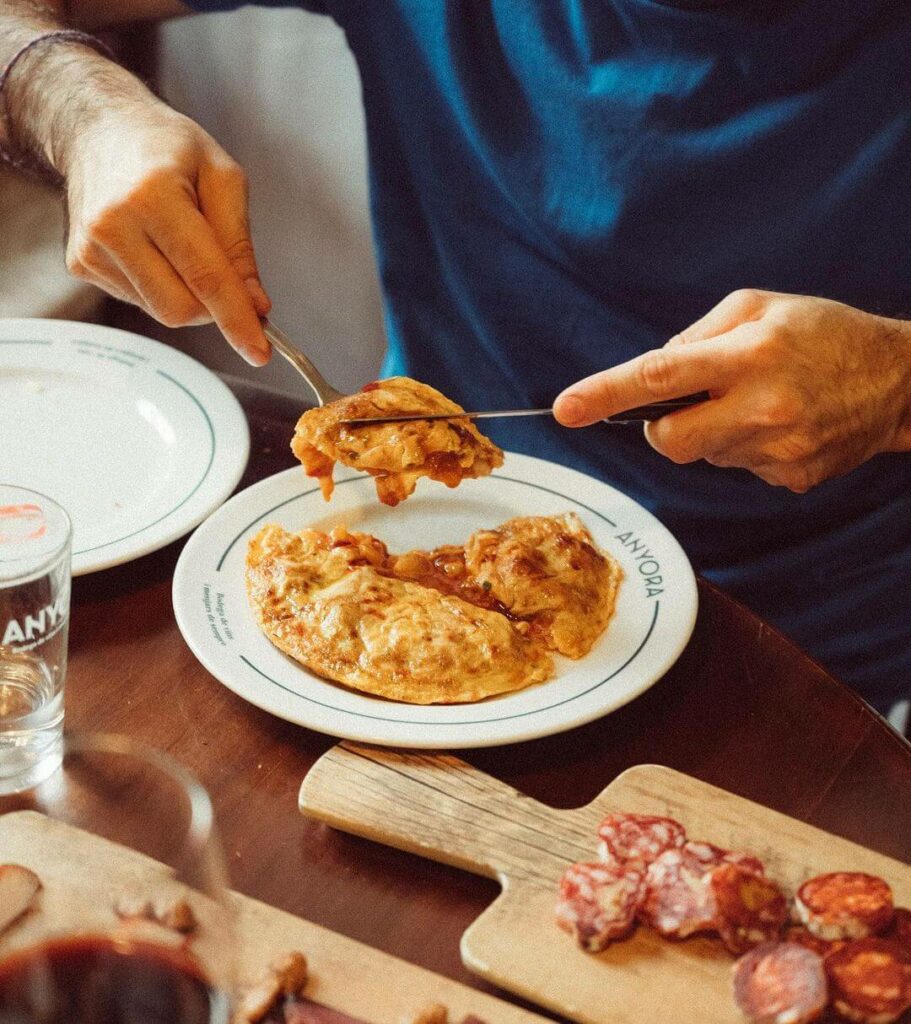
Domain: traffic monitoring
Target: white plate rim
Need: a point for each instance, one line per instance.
(196, 559)
(228, 434)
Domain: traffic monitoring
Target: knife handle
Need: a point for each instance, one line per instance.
(655, 410)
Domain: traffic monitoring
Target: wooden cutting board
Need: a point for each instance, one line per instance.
(440, 807)
(82, 874)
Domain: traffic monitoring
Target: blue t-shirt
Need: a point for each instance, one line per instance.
(559, 185)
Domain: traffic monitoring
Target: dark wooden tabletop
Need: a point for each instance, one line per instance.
(742, 709)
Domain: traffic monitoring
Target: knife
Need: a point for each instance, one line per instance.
(641, 414)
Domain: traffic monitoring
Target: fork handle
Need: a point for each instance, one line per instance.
(282, 343)
(655, 410)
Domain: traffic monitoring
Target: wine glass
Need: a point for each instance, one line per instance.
(131, 923)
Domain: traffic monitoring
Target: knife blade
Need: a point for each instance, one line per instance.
(640, 414)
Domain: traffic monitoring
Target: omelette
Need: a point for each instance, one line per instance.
(542, 570)
(448, 626)
(396, 454)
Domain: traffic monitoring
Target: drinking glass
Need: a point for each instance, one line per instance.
(131, 924)
(34, 616)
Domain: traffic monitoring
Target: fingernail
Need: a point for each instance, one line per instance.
(254, 356)
(569, 410)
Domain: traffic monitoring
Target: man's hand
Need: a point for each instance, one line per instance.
(157, 211)
(157, 216)
(802, 389)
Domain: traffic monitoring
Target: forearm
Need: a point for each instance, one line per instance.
(20, 20)
(56, 92)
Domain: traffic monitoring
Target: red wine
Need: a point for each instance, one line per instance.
(97, 980)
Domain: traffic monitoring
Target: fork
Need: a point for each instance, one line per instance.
(323, 390)
(326, 393)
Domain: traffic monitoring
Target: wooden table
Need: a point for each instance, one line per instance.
(742, 709)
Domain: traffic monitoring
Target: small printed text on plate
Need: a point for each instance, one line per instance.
(646, 563)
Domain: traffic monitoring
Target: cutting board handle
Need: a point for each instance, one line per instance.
(440, 807)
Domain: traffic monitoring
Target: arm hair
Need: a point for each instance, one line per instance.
(53, 90)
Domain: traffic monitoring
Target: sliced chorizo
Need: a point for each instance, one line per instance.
(597, 903)
(780, 983)
(844, 905)
(750, 908)
(870, 980)
(638, 839)
(677, 902)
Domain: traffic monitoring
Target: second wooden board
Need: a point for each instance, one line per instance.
(441, 807)
(82, 875)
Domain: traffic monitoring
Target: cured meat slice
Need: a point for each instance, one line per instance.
(780, 983)
(707, 854)
(870, 980)
(804, 937)
(598, 902)
(750, 908)
(745, 860)
(712, 855)
(844, 905)
(677, 901)
(638, 839)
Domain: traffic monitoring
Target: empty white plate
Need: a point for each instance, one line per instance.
(137, 441)
(656, 607)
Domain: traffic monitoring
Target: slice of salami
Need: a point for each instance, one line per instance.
(707, 854)
(780, 983)
(750, 908)
(745, 860)
(870, 980)
(804, 937)
(711, 855)
(598, 902)
(844, 905)
(638, 839)
(677, 902)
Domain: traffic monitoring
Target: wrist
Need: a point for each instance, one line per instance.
(58, 94)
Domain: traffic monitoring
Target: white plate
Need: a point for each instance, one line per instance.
(136, 440)
(656, 608)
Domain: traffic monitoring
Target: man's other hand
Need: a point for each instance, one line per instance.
(801, 389)
(157, 216)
